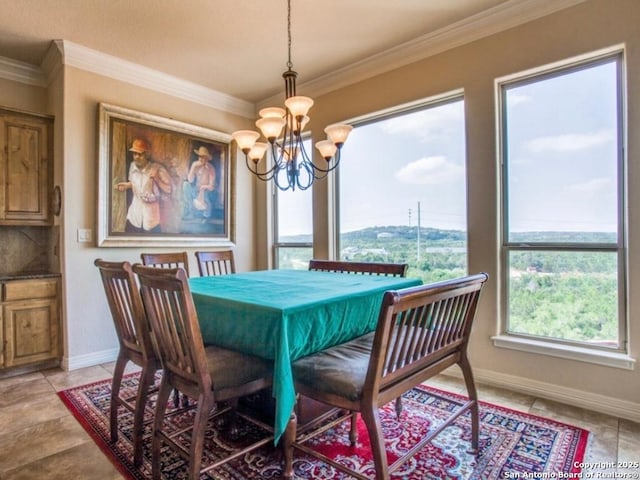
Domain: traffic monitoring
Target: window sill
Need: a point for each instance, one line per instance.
(570, 352)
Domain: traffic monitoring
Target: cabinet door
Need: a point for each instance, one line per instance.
(1, 338)
(26, 176)
(31, 331)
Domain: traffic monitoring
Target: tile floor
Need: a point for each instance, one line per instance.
(39, 439)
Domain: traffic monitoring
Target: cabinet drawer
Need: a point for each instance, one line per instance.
(29, 289)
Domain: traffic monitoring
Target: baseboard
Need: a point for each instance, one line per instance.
(89, 360)
(578, 398)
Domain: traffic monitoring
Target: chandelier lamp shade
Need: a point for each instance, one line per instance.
(282, 128)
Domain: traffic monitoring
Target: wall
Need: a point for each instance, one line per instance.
(20, 96)
(584, 28)
(90, 337)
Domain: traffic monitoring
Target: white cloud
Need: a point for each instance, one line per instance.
(570, 142)
(594, 187)
(428, 124)
(430, 171)
(515, 99)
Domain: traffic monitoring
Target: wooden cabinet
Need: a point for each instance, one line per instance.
(25, 169)
(30, 322)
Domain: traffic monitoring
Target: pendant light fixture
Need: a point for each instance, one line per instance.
(283, 130)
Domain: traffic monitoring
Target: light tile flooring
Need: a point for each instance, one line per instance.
(39, 439)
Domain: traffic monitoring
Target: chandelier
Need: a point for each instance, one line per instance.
(283, 129)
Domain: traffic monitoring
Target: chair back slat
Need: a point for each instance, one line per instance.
(411, 335)
(166, 260)
(423, 325)
(440, 324)
(126, 306)
(221, 262)
(173, 319)
(364, 268)
(120, 292)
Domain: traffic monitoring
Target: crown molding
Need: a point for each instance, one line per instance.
(113, 67)
(51, 64)
(64, 52)
(21, 72)
(489, 22)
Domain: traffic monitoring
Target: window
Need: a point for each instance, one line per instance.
(293, 226)
(402, 190)
(563, 201)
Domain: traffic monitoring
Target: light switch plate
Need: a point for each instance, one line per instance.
(84, 235)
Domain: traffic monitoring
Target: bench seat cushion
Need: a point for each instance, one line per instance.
(340, 370)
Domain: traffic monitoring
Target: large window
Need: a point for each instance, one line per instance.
(563, 210)
(293, 226)
(402, 190)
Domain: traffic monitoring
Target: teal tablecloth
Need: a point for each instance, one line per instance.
(283, 315)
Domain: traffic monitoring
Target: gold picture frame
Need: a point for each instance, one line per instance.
(162, 182)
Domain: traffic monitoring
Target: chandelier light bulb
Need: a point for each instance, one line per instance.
(338, 133)
(298, 106)
(271, 127)
(327, 149)
(270, 112)
(257, 151)
(245, 139)
(292, 123)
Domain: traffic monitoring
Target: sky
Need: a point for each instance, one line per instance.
(562, 152)
(390, 167)
(561, 157)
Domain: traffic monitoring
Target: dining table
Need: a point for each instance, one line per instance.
(283, 315)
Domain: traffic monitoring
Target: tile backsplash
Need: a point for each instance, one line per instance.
(28, 250)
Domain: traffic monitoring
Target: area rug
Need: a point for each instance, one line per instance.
(511, 442)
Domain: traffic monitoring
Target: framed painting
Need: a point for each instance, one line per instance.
(162, 182)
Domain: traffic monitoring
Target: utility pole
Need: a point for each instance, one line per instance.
(418, 236)
(409, 217)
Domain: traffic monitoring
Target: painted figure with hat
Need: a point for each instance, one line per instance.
(199, 185)
(148, 180)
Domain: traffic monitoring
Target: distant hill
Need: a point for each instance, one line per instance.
(306, 238)
(564, 237)
(401, 232)
(404, 232)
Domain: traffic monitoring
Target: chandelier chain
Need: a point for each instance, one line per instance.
(292, 166)
(289, 62)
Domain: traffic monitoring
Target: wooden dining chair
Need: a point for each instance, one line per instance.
(220, 262)
(362, 268)
(136, 346)
(421, 331)
(365, 268)
(167, 260)
(208, 374)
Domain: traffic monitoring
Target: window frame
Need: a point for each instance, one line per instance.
(564, 348)
(373, 117)
(277, 246)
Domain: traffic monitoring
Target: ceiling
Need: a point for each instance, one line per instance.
(239, 47)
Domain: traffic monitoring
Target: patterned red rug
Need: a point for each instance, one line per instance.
(511, 442)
